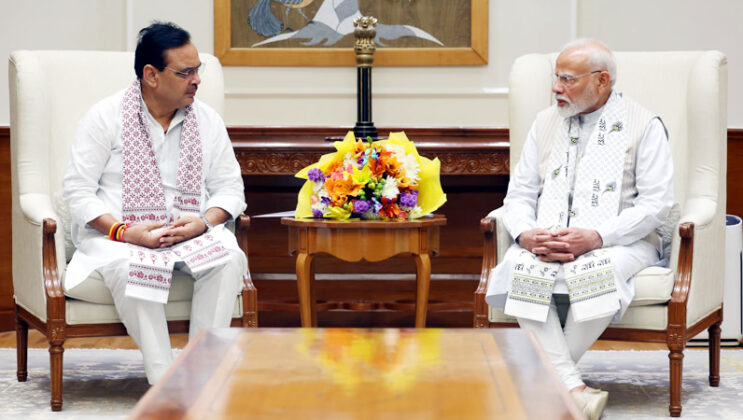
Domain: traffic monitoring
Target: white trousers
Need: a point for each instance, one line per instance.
(213, 301)
(565, 346)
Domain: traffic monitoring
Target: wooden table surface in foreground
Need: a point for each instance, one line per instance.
(356, 240)
(359, 374)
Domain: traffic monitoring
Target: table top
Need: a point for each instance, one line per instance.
(434, 220)
(359, 374)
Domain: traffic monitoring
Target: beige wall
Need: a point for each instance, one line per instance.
(673, 25)
(420, 96)
(50, 24)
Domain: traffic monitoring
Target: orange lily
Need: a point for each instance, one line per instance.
(341, 189)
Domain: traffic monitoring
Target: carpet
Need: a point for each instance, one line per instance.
(108, 383)
(97, 383)
(637, 382)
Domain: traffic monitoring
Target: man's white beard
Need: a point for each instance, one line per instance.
(574, 107)
(569, 110)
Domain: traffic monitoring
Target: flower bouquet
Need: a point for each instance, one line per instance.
(385, 179)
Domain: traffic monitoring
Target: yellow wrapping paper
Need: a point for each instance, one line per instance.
(430, 194)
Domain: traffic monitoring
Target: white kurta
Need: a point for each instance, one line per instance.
(624, 232)
(93, 181)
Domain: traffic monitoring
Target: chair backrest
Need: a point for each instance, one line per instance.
(688, 90)
(49, 92)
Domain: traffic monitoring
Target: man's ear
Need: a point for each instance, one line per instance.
(605, 79)
(150, 75)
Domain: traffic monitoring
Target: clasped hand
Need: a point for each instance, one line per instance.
(155, 235)
(560, 245)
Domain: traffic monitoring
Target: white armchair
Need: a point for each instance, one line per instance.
(671, 305)
(49, 93)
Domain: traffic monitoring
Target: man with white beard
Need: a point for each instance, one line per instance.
(585, 204)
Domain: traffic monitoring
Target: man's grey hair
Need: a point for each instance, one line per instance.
(600, 56)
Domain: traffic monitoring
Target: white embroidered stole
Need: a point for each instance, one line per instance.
(596, 184)
(143, 201)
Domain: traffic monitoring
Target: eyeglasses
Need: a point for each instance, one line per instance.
(188, 72)
(568, 80)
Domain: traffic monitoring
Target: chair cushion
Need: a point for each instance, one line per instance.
(649, 317)
(653, 286)
(94, 290)
(79, 312)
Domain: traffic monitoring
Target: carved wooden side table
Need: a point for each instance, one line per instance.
(356, 240)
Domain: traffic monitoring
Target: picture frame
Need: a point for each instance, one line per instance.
(232, 44)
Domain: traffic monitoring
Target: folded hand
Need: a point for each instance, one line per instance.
(560, 245)
(183, 229)
(144, 234)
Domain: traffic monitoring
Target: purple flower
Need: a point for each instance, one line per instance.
(316, 175)
(408, 200)
(325, 200)
(316, 213)
(361, 206)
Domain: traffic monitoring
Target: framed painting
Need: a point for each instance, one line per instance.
(320, 32)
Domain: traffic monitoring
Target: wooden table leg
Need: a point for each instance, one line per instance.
(306, 290)
(423, 279)
(313, 298)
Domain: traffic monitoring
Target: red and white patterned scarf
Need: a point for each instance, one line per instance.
(143, 201)
(143, 196)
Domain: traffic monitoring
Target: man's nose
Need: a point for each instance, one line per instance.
(557, 87)
(196, 78)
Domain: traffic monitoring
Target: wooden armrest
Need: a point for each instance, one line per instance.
(52, 283)
(55, 300)
(682, 282)
(242, 223)
(249, 292)
(489, 247)
(676, 338)
(487, 224)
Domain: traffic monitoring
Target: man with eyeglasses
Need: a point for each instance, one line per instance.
(151, 181)
(586, 204)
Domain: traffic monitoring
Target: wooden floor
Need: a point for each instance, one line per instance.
(36, 340)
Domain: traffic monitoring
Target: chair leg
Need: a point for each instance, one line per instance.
(21, 338)
(56, 350)
(676, 358)
(714, 355)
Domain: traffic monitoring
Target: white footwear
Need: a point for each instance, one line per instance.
(591, 402)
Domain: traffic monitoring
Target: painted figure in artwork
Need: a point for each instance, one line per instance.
(264, 22)
(333, 20)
